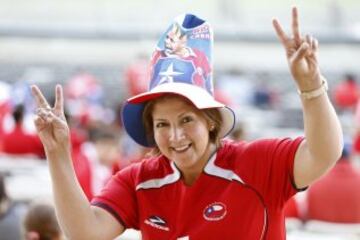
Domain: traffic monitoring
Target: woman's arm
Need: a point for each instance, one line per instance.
(323, 142)
(78, 219)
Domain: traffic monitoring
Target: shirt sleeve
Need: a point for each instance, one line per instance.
(270, 168)
(118, 197)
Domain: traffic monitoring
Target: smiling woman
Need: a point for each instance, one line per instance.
(212, 115)
(182, 134)
(196, 187)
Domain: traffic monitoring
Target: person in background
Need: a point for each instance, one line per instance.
(104, 157)
(18, 142)
(11, 215)
(346, 93)
(336, 197)
(265, 97)
(40, 223)
(5, 107)
(291, 209)
(81, 163)
(356, 134)
(136, 75)
(293, 217)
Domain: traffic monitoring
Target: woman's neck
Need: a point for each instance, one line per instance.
(190, 175)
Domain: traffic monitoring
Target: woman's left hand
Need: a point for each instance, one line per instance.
(301, 54)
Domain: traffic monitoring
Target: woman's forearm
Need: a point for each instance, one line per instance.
(323, 141)
(76, 217)
(72, 207)
(322, 130)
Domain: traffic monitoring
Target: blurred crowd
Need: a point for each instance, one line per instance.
(100, 148)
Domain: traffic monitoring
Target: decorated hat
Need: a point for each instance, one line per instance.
(181, 64)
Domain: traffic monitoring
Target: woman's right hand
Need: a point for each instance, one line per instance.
(50, 122)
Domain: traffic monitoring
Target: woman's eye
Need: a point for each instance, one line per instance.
(159, 125)
(186, 119)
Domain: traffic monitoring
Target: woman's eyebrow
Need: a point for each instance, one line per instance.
(159, 119)
(183, 114)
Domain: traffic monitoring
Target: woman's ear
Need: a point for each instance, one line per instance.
(211, 126)
(32, 235)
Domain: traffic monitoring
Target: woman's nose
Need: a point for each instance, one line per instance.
(177, 133)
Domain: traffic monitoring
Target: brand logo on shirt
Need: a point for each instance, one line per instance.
(157, 222)
(215, 211)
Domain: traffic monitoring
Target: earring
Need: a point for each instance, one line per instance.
(212, 127)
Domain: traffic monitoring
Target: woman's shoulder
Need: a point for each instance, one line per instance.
(258, 147)
(230, 145)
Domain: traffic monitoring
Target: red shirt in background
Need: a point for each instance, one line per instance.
(336, 196)
(83, 172)
(81, 163)
(136, 76)
(18, 142)
(291, 209)
(346, 94)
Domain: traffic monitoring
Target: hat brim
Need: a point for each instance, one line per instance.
(200, 98)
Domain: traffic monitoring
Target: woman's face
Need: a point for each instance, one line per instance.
(181, 133)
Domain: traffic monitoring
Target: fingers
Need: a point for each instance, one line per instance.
(45, 114)
(309, 40)
(313, 46)
(301, 52)
(42, 103)
(279, 32)
(39, 123)
(295, 26)
(39, 97)
(314, 49)
(313, 42)
(46, 117)
(59, 99)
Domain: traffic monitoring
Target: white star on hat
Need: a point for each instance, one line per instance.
(169, 74)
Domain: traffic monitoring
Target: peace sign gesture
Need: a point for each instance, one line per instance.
(301, 54)
(50, 121)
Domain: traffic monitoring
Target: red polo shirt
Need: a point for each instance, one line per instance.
(240, 194)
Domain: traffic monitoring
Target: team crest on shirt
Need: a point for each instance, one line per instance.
(215, 211)
(157, 222)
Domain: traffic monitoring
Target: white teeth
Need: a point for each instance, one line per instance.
(181, 148)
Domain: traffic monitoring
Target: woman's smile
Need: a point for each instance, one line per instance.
(181, 132)
(182, 148)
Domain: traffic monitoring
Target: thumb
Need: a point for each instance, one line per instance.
(301, 52)
(40, 125)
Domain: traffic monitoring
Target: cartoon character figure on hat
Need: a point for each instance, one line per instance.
(196, 184)
(180, 65)
(184, 51)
